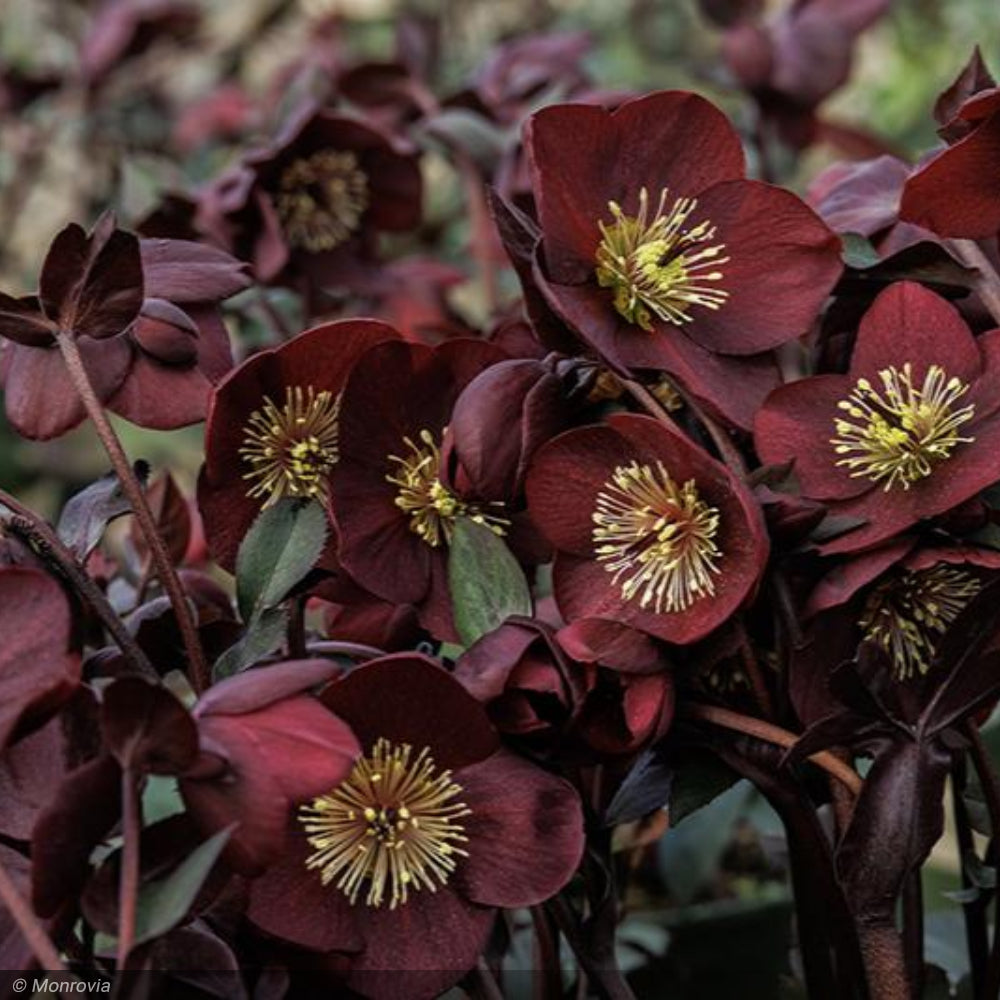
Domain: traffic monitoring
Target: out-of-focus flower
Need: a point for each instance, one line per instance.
(400, 867)
(902, 436)
(311, 203)
(274, 429)
(650, 531)
(658, 252)
(792, 62)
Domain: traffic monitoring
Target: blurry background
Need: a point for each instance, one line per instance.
(121, 103)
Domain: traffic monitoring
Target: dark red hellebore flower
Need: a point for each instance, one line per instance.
(400, 868)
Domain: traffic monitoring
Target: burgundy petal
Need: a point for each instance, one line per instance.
(525, 832)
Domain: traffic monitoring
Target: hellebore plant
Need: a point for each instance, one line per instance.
(487, 607)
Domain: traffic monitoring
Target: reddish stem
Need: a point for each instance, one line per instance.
(770, 733)
(29, 925)
(128, 886)
(200, 676)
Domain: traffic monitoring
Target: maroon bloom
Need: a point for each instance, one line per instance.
(398, 488)
(907, 433)
(650, 531)
(312, 202)
(659, 253)
(469, 828)
(954, 193)
(274, 429)
(144, 315)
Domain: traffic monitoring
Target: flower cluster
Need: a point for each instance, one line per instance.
(719, 482)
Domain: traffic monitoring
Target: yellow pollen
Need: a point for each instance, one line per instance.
(291, 449)
(660, 267)
(657, 538)
(906, 614)
(320, 200)
(387, 838)
(899, 432)
(431, 506)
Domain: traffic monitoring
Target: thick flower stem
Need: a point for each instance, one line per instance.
(549, 986)
(882, 951)
(128, 885)
(29, 925)
(482, 229)
(200, 675)
(27, 525)
(770, 733)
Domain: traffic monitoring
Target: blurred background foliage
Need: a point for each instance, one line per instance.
(75, 150)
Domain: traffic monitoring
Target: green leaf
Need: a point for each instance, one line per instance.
(281, 547)
(858, 251)
(263, 635)
(163, 904)
(487, 584)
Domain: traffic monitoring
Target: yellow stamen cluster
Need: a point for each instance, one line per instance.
(321, 198)
(292, 448)
(392, 827)
(659, 267)
(656, 537)
(898, 432)
(907, 614)
(431, 506)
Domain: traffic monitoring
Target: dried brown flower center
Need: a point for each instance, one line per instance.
(899, 432)
(656, 537)
(430, 505)
(392, 827)
(291, 449)
(321, 198)
(907, 614)
(660, 267)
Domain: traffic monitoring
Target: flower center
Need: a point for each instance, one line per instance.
(291, 449)
(906, 614)
(391, 827)
(321, 199)
(656, 537)
(431, 506)
(660, 267)
(900, 433)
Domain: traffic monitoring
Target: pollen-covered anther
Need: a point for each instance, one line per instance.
(907, 613)
(393, 827)
(431, 505)
(292, 448)
(660, 267)
(656, 537)
(321, 198)
(898, 432)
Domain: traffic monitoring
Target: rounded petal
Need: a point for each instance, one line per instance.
(290, 902)
(420, 949)
(796, 424)
(583, 156)
(783, 261)
(909, 323)
(407, 698)
(525, 832)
